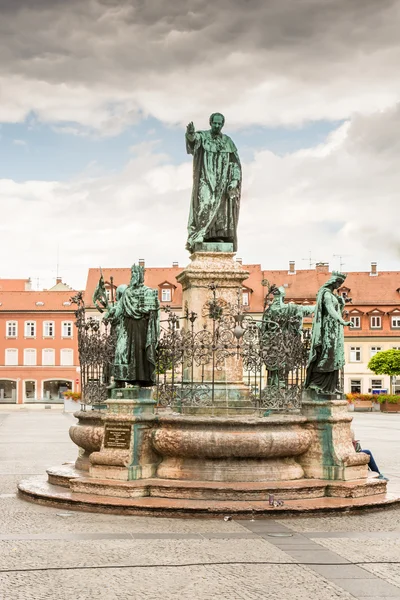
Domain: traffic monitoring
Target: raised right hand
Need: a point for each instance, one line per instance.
(190, 128)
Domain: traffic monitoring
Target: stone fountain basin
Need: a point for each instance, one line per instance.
(87, 434)
(230, 449)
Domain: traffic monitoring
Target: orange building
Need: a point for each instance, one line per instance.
(38, 343)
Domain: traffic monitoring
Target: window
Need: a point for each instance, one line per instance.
(11, 329)
(30, 390)
(356, 322)
(396, 322)
(67, 357)
(355, 386)
(245, 298)
(376, 322)
(374, 350)
(66, 330)
(395, 347)
(165, 295)
(30, 329)
(48, 357)
(30, 357)
(11, 357)
(376, 384)
(355, 354)
(48, 329)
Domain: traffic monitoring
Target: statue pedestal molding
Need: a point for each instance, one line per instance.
(216, 267)
(126, 453)
(331, 454)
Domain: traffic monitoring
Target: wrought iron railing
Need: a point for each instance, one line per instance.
(96, 346)
(271, 352)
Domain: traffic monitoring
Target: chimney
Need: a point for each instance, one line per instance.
(292, 268)
(58, 280)
(175, 264)
(374, 269)
(141, 262)
(239, 260)
(322, 267)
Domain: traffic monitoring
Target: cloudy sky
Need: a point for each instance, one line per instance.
(95, 97)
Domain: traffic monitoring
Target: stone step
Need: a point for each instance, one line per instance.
(39, 490)
(62, 475)
(232, 491)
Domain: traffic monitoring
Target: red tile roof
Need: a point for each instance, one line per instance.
(36, 301)
(364, 289)
(14, 285)
(153, 277)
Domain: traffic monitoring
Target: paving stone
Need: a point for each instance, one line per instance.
(368, 587)
(342, 572)
(32, 442)
(316, 557)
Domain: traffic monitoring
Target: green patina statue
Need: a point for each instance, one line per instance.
(136, 323)
(217, 180)
(282, 327)
(289, 315)
(327, 339)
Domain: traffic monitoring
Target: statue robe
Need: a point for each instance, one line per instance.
(327, 345)
(213, 213)
(136, 319)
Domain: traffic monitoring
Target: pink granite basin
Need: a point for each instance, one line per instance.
(226, 449)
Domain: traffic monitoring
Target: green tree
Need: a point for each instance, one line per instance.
(385, 363)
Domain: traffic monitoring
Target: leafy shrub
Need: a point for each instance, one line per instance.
(381, 398)
(75, 396)
(386, 362)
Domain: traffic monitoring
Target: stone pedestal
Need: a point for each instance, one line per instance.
(126, 453)
(213, 263)
(331, 454)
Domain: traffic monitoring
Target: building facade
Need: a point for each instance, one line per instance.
(38, 344)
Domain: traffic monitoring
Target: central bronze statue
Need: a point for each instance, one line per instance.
(217, 182)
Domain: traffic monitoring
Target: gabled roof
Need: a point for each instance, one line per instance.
(376, 311)
(167, 283)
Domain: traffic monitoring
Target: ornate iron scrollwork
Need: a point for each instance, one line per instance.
(273, 352)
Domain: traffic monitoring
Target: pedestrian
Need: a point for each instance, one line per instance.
(372, 463)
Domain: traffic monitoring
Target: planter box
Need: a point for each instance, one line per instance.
(363, 404)
(390, 407)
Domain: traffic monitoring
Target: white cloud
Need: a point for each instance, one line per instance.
(102, 64)
(338, 198)
(22, 143)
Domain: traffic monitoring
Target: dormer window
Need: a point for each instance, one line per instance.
(246, 294)
(376, 322)
(166, 295)
(166, 291)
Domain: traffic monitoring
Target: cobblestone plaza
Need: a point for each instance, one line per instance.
(50, 553)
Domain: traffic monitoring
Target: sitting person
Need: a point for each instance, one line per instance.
(372, 464)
